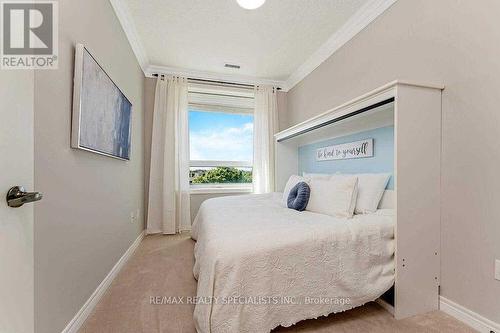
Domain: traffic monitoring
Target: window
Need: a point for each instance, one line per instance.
(220, 141)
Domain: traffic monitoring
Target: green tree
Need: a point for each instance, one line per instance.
(224, 175)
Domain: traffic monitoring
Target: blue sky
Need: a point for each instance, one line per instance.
(220, 136)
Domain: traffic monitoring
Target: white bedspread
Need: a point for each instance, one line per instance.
(260, 265)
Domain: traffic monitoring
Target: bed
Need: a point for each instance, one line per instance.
(260, 265)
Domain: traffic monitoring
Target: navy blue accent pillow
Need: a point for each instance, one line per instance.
(299, 196)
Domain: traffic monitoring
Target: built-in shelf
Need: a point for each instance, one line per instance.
(366, 102)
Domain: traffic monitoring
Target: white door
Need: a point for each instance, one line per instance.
(16, 224)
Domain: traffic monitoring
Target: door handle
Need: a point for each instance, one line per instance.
(17, 196)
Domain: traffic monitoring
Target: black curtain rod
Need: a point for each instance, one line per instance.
(218, 82)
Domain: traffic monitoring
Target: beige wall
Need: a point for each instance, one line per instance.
(149, 104)
(456, 43)
(82, 226)
(198, 199)
(282, 116)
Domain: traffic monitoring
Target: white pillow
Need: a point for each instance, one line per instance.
(292, 181)
(371, 187)
(316, 175)
(335, 196)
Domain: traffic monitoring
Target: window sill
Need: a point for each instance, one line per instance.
(221, 190)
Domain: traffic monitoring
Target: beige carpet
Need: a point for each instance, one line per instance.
(162, 266)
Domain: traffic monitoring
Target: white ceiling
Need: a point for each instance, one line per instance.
(271, 42)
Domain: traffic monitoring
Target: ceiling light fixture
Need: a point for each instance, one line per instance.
(250, 4)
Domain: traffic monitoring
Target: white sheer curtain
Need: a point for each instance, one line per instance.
(265, 126)
(168, 206)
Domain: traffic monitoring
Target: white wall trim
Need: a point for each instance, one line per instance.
(123, 13)
(195, 74)
(220, 190)
(474, 320)
(75, 324)
(362, 18)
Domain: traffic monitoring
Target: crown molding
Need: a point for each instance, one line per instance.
(202, 75)
(362, 18)
(123, 13)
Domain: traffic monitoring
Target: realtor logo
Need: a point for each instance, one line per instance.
(29, 35)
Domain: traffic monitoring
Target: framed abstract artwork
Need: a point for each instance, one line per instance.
(102, 114)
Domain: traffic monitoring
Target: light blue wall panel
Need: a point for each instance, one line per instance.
(382, 160)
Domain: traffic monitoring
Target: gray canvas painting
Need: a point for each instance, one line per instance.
(105, 112)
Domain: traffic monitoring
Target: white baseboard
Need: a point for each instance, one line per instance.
(467, 316)
(78, 320)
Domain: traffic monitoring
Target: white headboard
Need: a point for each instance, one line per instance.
(388, 200)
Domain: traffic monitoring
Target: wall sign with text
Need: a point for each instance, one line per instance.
(358, 149)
